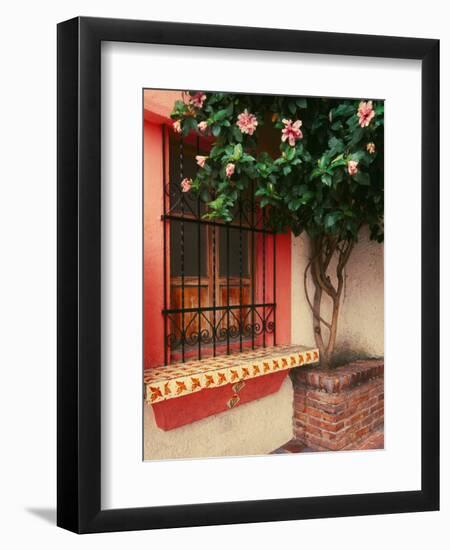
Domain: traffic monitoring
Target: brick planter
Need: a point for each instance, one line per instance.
(335, 409)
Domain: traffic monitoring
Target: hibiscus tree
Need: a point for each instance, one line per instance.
(325, 180)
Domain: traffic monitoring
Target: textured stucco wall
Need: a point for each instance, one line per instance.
(255, 428)
(361, 323)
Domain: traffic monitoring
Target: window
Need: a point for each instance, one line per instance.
(219, 294)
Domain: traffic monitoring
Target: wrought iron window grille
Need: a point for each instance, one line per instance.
(215, 287)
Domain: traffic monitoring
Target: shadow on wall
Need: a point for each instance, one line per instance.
(347, 354)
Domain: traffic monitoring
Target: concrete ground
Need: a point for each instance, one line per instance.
(374, 440)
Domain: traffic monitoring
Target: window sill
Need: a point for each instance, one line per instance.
(182, 379)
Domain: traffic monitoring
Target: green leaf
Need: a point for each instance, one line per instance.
(205, 196)
(338, 161)
(338, 176)
(326, 179)
(300, 189)
(230, 109)
(223, 113)
(247, 158)
(352, 121)
(179, 105)
(331, 219)
(237, 153)
(357, 136)
(357, 155)
(379, 108)
(189, 124)
(237, 134)
(362, 178)
(217, 203)
(344, 109)
(323, 161)
(290, 153)
(306, 197)
(336, 145)
(223, 185)
(301, 102)
(316, 172)
(318, 122)
(216, 130)
(294, 204)
(216, 151)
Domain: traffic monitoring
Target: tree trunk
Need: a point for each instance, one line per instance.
(324, 249)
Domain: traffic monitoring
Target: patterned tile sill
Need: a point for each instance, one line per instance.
(178, 379)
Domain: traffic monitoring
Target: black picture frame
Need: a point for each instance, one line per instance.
(79, 280)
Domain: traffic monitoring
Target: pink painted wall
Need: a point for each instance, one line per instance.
(158, 104)
(153, 246)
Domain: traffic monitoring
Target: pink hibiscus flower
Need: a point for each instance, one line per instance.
(177, 126)
(197, 99)
(365, 113)
(202, 126)
(291, 131)
(352, 167)
(370, 148)
(186, 185)
(229, 170)
(247, 123)
(201, 160)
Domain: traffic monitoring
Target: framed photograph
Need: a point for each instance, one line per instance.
(248, 275)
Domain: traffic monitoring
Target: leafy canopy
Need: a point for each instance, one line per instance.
(328, 182)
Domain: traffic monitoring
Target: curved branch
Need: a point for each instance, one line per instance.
(321, 265)
(316, 315)
(343, 259)
(317, 327)
(331, 251)
(324, 283)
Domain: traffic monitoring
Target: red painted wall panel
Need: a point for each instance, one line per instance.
(283, 284)
(174, 413)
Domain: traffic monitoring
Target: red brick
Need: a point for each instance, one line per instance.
(361, 432)
(333, 409)
(336, 380)
(367, 421)
(378, 407)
